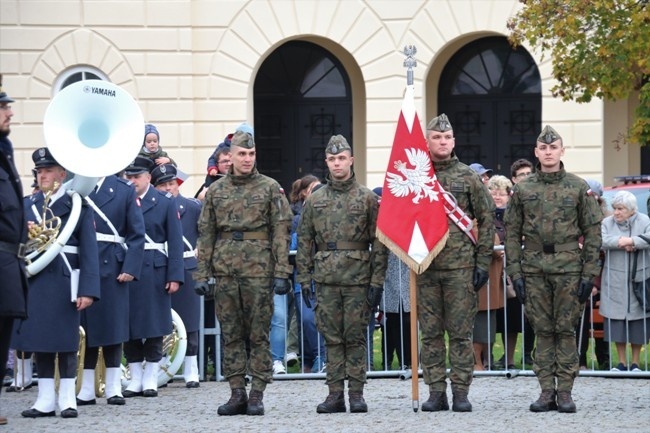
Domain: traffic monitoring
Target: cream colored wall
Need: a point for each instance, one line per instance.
(191, 65)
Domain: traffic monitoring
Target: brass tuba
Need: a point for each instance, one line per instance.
(174, 348)
(92, 128)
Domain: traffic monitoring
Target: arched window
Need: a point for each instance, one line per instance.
(78, 73)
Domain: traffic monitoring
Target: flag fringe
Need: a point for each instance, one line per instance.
(416, 267)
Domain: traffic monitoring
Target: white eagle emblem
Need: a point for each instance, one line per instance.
(414, 180)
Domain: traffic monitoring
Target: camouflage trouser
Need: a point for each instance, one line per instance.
(342, 318)
(244, 307)
(553, 310)
(446, 302)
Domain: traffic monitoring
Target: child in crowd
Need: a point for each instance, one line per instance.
(151, 147)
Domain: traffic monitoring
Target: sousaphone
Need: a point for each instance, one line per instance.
(92, 128)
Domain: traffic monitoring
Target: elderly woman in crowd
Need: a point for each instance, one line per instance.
(491, 296)
(625, 318)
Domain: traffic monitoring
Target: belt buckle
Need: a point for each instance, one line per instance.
(237, 236)
(331, 246)
(22, 249)
(548, 248)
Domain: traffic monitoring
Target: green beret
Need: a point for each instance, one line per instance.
(242, 139)
(337, 144)
(548, 135)
(440, 124)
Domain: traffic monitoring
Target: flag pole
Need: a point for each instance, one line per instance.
(414, 342)
(409, 64)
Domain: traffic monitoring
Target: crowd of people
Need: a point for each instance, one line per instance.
(140, 249)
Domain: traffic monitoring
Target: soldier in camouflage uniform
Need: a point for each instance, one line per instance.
(548, 213)
(244, 243)
(339, 221)
(447, 299)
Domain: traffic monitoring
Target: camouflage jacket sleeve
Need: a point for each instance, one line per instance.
(483, 206)
(206, 241)
(379, 253)
(280, 222)
(513, 220)
(589, 220)
(305, 234)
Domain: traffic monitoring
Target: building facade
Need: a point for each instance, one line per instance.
(300, 71)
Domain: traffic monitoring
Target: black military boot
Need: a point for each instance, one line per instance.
(334, 403)
(437, 401)
(545, 402)
(565, 403)
(255, 404)
(460, 401)
(357, 403)
(236, 405)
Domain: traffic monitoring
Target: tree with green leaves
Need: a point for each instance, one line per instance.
(598, 48)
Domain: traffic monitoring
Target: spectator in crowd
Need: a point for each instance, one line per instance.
(626, 241)
(395, 309)
(312, 344)
(340, 220)
(446, 291)
(548, 213)
(519, 170)
(601, 348)
(244, 244)
(484, 173)
(491, 296)
(151, 147)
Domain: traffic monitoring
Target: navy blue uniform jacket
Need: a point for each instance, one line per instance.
(185, 302)
(53, 323)
(150, 305)
(107, 322)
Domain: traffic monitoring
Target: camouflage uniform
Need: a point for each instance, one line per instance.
(446, 297)
(334, 218)
(551, 211)
(244, 242)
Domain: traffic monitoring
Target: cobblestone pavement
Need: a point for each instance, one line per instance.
(500, 404)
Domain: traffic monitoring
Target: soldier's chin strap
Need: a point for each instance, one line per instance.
(457, 215)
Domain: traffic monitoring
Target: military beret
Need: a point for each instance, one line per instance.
(43, 158)
(337, 144)
(242, 139)
(163, 173)
(440, 124)
(139, 165)
(548, 135)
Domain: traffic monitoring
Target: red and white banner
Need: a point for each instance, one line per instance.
(412, 221)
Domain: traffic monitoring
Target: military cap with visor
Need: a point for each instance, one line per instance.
(139, 165)
(548, 135)
(43, 158)
(163, 173)
(337, 144)
(440, 123)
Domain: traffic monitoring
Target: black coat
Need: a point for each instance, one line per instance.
(13, 230)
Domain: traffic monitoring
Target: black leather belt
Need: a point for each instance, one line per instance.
(17, 250)
(342, 245)
(244, 236)
(551, 248)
